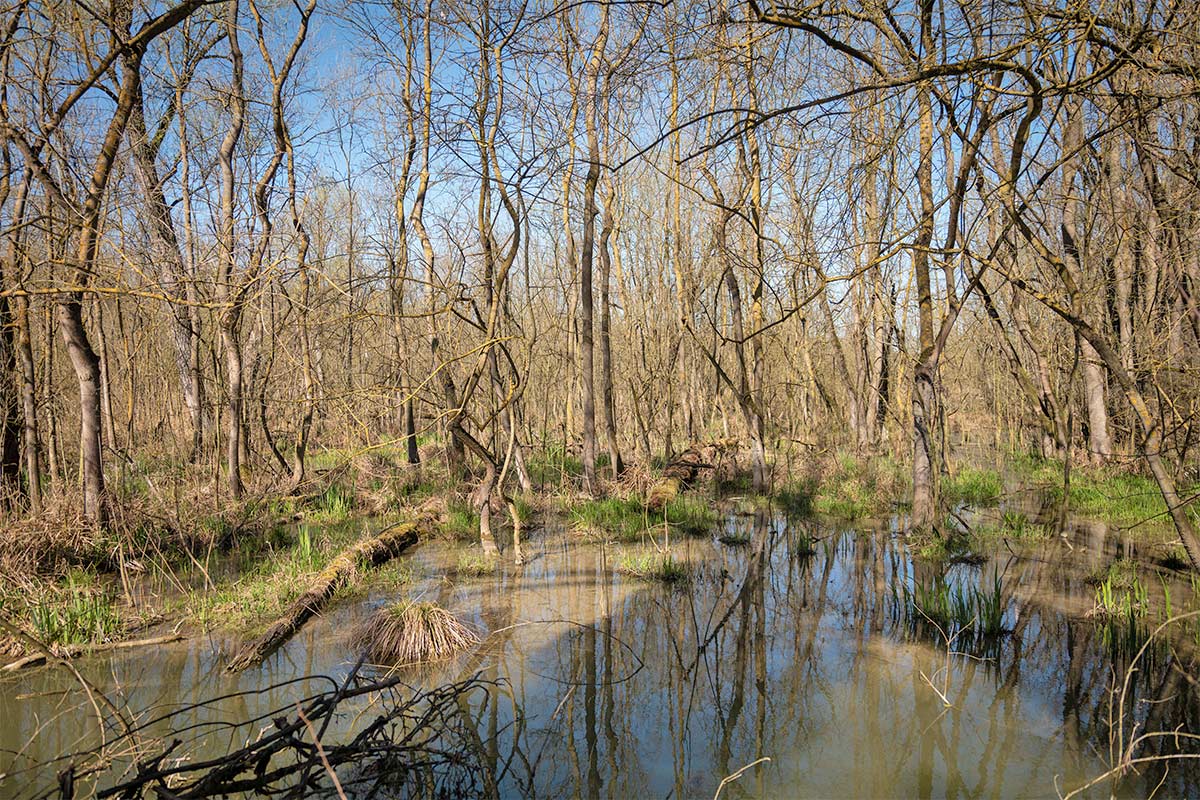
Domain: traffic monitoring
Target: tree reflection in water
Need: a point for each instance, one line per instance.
(599, 685)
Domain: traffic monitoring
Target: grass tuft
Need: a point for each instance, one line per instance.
(475, 563)
(851, 488)
(1013, 525)
(795, 498)
(335, 504)
(695, 516)
(649, 565)
(973, 486)
(413, 633)
(81, 613)
(462, 522)
(974, 612)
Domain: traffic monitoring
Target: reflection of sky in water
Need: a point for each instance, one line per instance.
(632, 689)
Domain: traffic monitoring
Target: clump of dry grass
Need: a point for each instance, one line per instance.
(413, 633)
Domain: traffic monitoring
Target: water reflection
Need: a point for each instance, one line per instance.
(793, 648)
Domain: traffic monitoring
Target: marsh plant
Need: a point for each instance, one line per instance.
(462, 521)
(1013, 525)
(852, 488)
(1121, 599)
(958, 610)
(652, 565)
(334, 504)
(475, 563)
(973, 486)
(413, 633)
(627, 518)
(81, 613)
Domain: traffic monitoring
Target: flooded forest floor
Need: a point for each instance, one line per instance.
(707, 641)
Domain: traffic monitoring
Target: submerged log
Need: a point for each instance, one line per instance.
(383, 546)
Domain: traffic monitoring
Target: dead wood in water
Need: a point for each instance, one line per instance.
(687, 467)
(381, 547)
(75, 650)
(419, 743)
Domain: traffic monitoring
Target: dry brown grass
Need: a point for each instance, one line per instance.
(413, 633)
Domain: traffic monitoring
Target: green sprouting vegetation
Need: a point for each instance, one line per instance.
(803, 544)
(623, 518)
(734, 539)
(1121, 573)
(306, 553)
(1013, 525)
(851, 488)
(973, 486)
(334, 504)
(526, 508)
(693, 515)
(795, 498)
(475, 563)
(269, 577)
(553, 466)
(954, 546)
(653, 565)
(81, 611)
(1108, 493)
(1121, 600)
(957, 610)
(462, 521)
(627, 518)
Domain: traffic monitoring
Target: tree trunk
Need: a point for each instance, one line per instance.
(607, 398)
(924, 395)
(586, 311)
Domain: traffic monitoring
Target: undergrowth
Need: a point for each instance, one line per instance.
(627, 518)
(850, 488)
(973, 486)
(652, 565)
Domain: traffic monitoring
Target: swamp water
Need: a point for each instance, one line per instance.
(794, 646)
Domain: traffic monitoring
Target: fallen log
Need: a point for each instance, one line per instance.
(383, 546)
(686, 468)
(76, 650)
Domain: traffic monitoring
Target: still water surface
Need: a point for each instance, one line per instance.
(793, 648)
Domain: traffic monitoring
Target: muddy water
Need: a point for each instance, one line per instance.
(793, 648)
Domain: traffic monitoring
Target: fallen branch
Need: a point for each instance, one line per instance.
(383, 546)
(76, 650)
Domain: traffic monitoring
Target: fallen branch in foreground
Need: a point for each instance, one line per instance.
(76, 650)
(382, 547)
(403, 741)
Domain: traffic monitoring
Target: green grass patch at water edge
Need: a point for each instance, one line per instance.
(974, 486)
(81, 611)
(1012, 526)
(474, 563)
(1107, 493)
(650, 565)
(849, 487)
(271, 578)
(462, 521)
(627, 518)
(976, 611)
